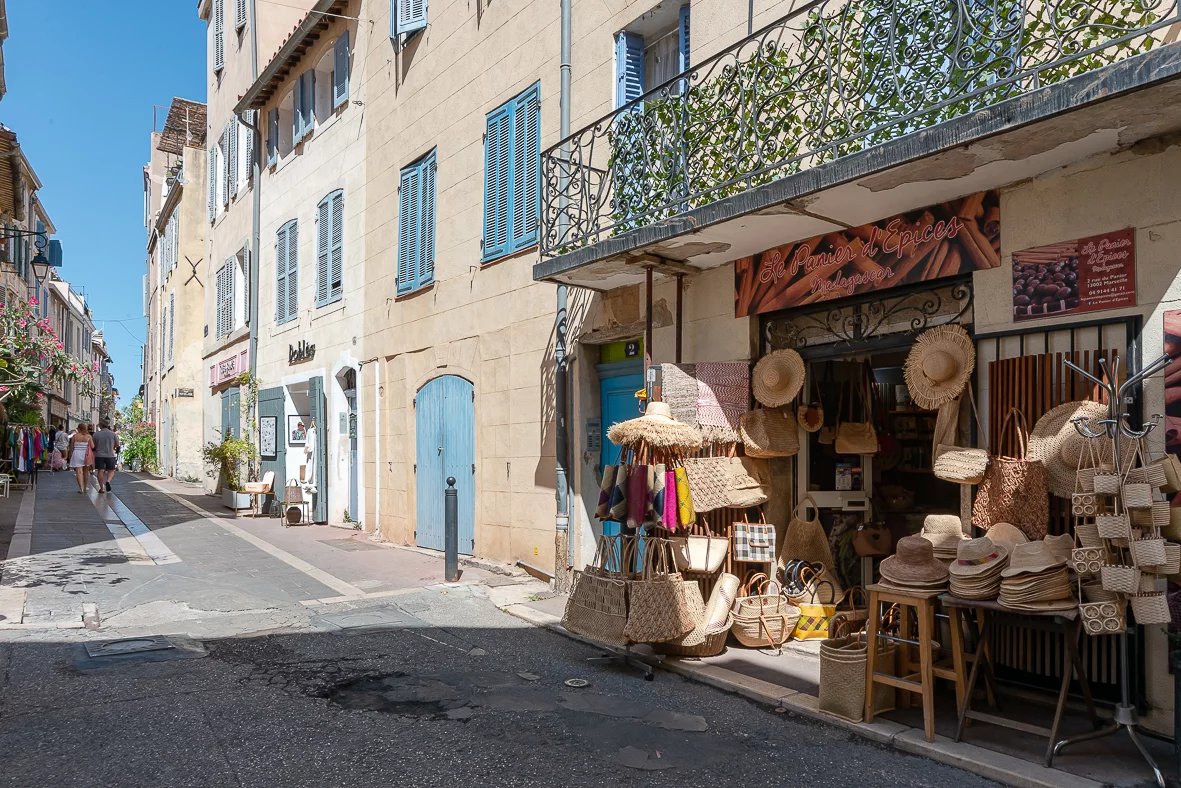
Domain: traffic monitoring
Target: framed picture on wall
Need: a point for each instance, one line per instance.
(268, 432)
(297, 430)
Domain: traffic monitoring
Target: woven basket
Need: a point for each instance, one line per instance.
(709, 481)
(1172, 564)
(1148, 552)
(1084, 504)
(708, 638)
(1119, 578)
(1153, 475)
(1103, 618)
(1155, 517)
(959, 465)
(769, 432)
(1147, 583)
(597, 607)
(842, 677)
(1086, 477)
(1137, 496)
(1113, 526)
(1150, 608)
(1088, 534)
(1095, 592)
(1107, 483)
(1087, 560)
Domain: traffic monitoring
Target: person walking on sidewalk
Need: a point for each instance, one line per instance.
(106, 455)
(60, 449)
(80, 448)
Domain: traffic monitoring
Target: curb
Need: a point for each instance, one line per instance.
(987, 763)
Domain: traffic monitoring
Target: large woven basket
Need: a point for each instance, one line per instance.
(1153, 475)
(1095, 592)
(1119, 578)
(1150, 608)
(1088, 534)
(1087, 560)
(765, 631)
(769, 432)
(708, 638)
(1137, 496)
(1148, 552)
(1103, 618)
(1113, 526)
(1106, 483)
(842, 677)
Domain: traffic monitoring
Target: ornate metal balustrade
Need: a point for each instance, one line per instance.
(828, 80)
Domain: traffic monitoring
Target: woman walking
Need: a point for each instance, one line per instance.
(81, 446)
(61, 445)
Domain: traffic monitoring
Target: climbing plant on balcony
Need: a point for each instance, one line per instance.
(32, 358)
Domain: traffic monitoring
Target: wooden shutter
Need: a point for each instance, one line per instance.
(526, 169)
(248, 158)
(497, 161)
(340, 71)
(336, 250)
(232, 159)
(219, 37)
(308, 84)
(222, 297)
(223, 168)
(272, 137)
(212, 154)
(629, 67)
(425, 273)
(408, 222)
(411, 15)
(292, 269)
(323, 234)
(240, 14)
(683, 38)
(171, 324)
(297, 113)
(281, 275)
(244, 257)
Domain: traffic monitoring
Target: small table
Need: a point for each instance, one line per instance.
(1065, 622)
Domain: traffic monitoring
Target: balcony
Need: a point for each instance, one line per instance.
(845, 112)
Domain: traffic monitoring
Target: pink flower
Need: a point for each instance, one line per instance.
(60, 346)
(21, 323)
(33, 302)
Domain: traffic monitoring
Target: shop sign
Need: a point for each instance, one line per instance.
(1085, 275)
(182, 393)
(228, 368)
(931, 243)
(303, 351)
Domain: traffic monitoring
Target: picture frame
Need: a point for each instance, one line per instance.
(268, 433)
(297, 431)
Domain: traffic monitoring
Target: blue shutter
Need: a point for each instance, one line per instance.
(336, 247)
(411, 15)
(408, 223)
(323, 232)
(425, 273)
(683, 38)
(281, 275)
(497, 165)
(297, 114)
(629, 67)
(292, 269)
(340, 71)
(309, 101)
(526, 170)
(55, 253)
(272, 137)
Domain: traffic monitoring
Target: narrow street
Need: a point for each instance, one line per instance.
(312, 657)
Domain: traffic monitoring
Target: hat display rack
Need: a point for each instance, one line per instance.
(1116, 428)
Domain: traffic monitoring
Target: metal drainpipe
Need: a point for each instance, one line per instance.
(562, 491)
(255, 195)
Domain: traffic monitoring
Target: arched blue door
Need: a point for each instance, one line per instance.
(445, 427)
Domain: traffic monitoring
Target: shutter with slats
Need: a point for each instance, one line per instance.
(219, 36)
(426, 264)
(526, 169)
(292, 269)
(248, 158)
(497, 161)
(272, 137)
(240, 14)
(231, 300)
(221, 301)
(297, 111)
(281, 275)
(309, 101)
(629, 67)
(171, 324)
(340, 71)
(224, 166)
(212, 154)
(323, 233)
(336, 252)
(408, 222)
(244, 257)
(683, 38)
(411, 15)
(232, 160)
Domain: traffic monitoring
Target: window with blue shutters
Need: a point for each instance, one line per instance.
(644, 63)
(287, 272)
(340, 71)
(629, 67)
(512, 175)
(416, 225)
(304, 93)
(407, 17)
(330, 249)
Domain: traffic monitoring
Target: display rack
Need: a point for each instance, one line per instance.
(1114, 427)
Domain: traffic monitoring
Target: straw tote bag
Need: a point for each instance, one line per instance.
(856, 437)
(811, 416)
(805, 539)
(1014, 488)
(597, 607)
(769, 432)
(958, 464)
(709, 479)
(747, 482)
(657, 609)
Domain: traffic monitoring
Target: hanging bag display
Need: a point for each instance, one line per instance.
(747, 481)
(1014, 488)
(856, 437)
(1135, 494)
(959, 464)
(701, 551)
(1084, 504)
(709, 479)
(811, 416)
(769, 432)
(657, 609)
(754, 542)
(597, 607)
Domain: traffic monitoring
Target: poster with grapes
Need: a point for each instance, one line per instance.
(1085, 275)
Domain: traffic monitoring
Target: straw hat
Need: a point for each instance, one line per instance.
(977, 557)
(1006, 535)
(657, 428)
(1055, 441)
(778, 377)
(1061, 545)
(939, 365)
(944, 531)
(1032, 557)
(914, 563)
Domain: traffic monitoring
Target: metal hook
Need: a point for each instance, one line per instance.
(1151, 425)
(1082, 424)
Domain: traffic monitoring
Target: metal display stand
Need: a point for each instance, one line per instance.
(625, 657)
(1115, 426)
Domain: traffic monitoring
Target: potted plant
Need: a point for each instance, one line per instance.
(225, 462)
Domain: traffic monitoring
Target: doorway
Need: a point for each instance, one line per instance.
(445, 436)
(348, 385)
(618, 383)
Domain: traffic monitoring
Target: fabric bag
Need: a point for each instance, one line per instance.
(686, 513)
(961, 465)
(769, 432)
(709, 479)
(606, 485)
(637, 496)
(657, 609)
(1014, 488)
(856, 437)
(618, 506)
(702, 553)
(597, 607)
(754, 542)
(815, 618)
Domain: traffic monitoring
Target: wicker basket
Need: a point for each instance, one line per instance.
(1153, 475)
(1087, 534)
(1107, 483)
(1087, 560)
(1137, 496)
(1148, 552)
(765, 631)
(1155, 517)
(1084, 504)
(1095, 592)
(1119, 578)
(1172, 564)
(1113, 526)
(842, 677)
(1150, 608)
(1103, 618)
(1147, 584)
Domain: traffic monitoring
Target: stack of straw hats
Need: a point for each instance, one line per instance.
(1006, 534)
(1036, 579)
(914, 568)
(944, 532)
(976, 572)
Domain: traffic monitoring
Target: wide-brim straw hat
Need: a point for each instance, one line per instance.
(1006, 534)
(939, 365)
(657, 428)
(1057, 443)
(778, 378)
(943, 531)
(913, 562)
(1030, 557)
(978, 557)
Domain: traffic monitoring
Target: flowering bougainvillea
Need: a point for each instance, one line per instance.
(32, 358)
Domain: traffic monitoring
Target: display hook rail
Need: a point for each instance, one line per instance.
(1115, 426)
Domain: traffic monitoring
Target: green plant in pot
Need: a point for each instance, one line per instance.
(226, 460)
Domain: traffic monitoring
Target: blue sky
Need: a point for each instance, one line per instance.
(82, 82)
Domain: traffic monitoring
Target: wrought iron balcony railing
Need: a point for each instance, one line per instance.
(830, 79)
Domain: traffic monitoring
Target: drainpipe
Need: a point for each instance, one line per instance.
(562, 544)
(255, 195)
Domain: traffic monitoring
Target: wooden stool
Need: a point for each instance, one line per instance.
(914, 677)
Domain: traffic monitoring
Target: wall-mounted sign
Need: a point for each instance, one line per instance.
(943, 240)
(302, 351)
(1086, 275)
(268, 430)
(184, 392)
(594, 435)
(229, 367)
(632, 349)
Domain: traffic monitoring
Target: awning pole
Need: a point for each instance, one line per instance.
(680, 313)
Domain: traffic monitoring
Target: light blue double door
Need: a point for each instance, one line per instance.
(445, 434)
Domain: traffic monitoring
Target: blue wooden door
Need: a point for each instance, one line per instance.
(445, 434)
(618, 385)
(318, 411)
(271, 409)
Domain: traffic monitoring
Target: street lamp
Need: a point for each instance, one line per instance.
(41, 264)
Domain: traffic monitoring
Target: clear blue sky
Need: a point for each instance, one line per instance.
(83, 77)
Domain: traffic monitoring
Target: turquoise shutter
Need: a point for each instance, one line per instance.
(497, 162)
(683, 38)
(219, 38)
(336, 250)
(526, 170)
(292, 269)
(629, 67)
(411, 15)
(281, 275)
(272, 137)
(340, 71)
(426, 260)
(323, 233)
(408, 222)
